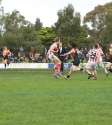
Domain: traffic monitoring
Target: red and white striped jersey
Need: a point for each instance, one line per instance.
(54, 45)
(93, 55)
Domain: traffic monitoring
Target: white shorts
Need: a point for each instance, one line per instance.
(51, 57)
(91, 65)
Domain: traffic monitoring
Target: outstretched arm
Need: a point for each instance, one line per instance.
(68, 53)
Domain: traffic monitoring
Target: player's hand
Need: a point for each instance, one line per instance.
(62, 55)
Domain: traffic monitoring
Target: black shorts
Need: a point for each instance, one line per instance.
(76, 62)
(6, 58)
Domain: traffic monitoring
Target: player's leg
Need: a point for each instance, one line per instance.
(51, 57)
(70, 72)
(57, 66)
(95, 72)
(87, 69)
(5, 63)
(102, 66)
(74, 68)
(108, 67)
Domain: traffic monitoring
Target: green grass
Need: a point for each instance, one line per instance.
(35, 97)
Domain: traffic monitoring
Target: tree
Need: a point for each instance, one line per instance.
(95, 20)
(106, 35)
(68, 24)
(38, 25)
(14, 22)
(2, 19)
(47, 36)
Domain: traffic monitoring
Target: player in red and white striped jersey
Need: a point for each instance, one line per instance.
(100, 62)
(93, 56)
(51, 55)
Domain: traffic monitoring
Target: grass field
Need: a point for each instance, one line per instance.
(35, 97)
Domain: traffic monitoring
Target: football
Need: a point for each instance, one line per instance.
(55, 49)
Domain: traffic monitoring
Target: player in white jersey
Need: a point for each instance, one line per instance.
(93, 56)
(51, 55)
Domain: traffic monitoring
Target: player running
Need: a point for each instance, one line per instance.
(100, 61)
(6, 54)
(51, 55)
(108, 67)
(76, 61)
(93, 57)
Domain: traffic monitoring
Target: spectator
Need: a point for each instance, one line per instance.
(39, 60)
(32, 51)
(31, 57)
(21, 51)
(46, 60)
(36, 58)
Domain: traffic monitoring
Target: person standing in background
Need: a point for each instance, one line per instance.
(62, 58)
(32, 51)
(21, 51)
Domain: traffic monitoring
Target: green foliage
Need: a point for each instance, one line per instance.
(16, 31)
(36, 44)
(68, 23)
(46, 35)
(95, 20)
(109, 26)
(14, 21)
(29, 33)
(38, 25)
(10, 39)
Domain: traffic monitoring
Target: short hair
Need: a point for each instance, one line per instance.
(56, 39)
(100, 44)
(96, 46)
(73, 44)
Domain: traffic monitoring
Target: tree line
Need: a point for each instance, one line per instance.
(15, 31)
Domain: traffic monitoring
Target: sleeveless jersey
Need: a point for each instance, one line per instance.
(75, 55)
(52, 47)
(6, 52)
(93, 55)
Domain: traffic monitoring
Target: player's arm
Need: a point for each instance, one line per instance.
(68, 53)
(88, 54)
(79, 52)
(52, 49)
(9, 52)
(101, 52)
(98, 56)
(4, 53)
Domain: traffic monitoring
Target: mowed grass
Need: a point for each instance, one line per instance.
(35, 97)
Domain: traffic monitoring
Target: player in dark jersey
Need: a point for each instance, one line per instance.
(108, 67)
(76, 60)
